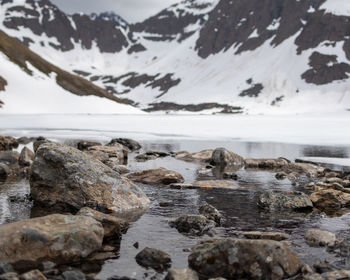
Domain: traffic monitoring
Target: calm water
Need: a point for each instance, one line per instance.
(238, 205)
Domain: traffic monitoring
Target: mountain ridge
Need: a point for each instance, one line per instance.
(204, 52)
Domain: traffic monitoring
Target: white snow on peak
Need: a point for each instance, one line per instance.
(337, 7)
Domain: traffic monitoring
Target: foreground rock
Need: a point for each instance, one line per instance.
(154, 258)
(211, 213)
(66, 179)
(56, 238)
(330, 199)
(222, 156)
(192, 224)
(26, 157)
(8, 143)
(113, 226)
(181, 274)
(285, 200)
(247, 259)
(132, 145)
(320, 238)
(160, 176)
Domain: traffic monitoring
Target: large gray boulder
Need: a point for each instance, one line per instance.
(222, 156)
(244, 259)
(56, 238)
(66, 179)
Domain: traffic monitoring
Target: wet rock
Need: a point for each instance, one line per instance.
(101, 156)
(211, 213)
(320, 238)
(192, 224)
(323, 267)
(266, 163)
(73, 275)
(67, 179)
(222, 156)
(9, 276)
(330, 199)
(166, 203)
(114, 164)
(244, 259)
(8, 143)
(4, 171)
(117, 152)
(9, 158)
(293, 177)
(182, 186)
(85, 145)
(160, 176)
(100, 257)
(33, 275)
(113, 226)
(38, 142)
(277, 236)
(285, 200)
(281, 175)
(57, 238)
(154, 258)
(214, 184)
(202, 156)
(230, 175)
(26, 157)
(333, 180)
(5, 267)
(336, 275)
(132, 145)
(150, 155)
(181, 274)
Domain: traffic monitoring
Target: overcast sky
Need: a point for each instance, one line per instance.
(130, 10)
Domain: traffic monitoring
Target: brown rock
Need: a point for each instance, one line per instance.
(241, 258)
(57, 238)
(277, 236)
(202, 156)
(8, 143)
(320, 238)
(160, 176)
(33, 275)
(222, 156)
(113, 226)
(85, 145)
(330, 199)
(26, 157)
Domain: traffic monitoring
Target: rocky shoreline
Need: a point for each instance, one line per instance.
(84, 198)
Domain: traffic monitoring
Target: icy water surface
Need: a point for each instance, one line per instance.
(238, 205)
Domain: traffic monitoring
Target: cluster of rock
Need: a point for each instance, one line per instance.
(83, 194)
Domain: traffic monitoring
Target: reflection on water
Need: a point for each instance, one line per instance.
(319, 151)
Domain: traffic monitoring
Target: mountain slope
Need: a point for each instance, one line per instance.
(15, 54)
(253, 56)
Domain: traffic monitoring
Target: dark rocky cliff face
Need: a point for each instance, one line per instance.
(44, 18)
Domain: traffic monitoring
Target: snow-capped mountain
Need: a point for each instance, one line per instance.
(253, 56)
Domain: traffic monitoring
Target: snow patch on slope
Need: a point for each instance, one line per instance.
(337, 7)
(39, 94)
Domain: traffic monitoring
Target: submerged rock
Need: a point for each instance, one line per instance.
(202, 156)
(181, 274)
(284, 200)
(113, 226)
(26, 157)
(320, 238)
(330, 199)
(8, 143)
(192, 224)
(154, 258)
(66, 179)
(159, 176)
(222, 156)
(150, 155)
(244, 259)
(277, 236)
(132, 145)
(211, 213)
(57, 238)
